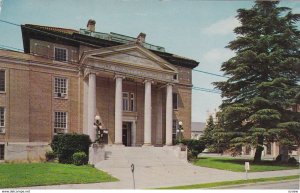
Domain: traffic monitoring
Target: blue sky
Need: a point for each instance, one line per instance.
(196, 29)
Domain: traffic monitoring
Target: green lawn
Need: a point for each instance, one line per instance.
(238, 165)
(235, 182)
(37, 174)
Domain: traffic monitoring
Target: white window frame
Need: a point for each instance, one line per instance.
(56, 47)
(2, 127)
(132, 102)
(60, 95)
(3, 91)
(125, 107)
(177, 103)
(65, 129)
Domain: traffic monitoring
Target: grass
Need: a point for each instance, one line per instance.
(238, 165)
(38, 174)
(232, 183)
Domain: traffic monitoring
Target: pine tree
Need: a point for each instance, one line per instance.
(264, 77)
(207, 136)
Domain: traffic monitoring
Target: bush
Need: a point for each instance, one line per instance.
(278, 158)
(64, 146)
(79, 158)
(194, 147)
(50, 156)
(292, 161)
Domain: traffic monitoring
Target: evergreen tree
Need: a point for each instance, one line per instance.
(264, 77)
(207, 136)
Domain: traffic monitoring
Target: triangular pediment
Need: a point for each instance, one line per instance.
(130, 55)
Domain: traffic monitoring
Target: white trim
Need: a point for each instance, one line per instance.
(62, 48)
(67, 87)
(66, 129)
(3, 127)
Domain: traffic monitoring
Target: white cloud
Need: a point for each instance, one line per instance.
(222, 27)
(217, 55)
(1, 3)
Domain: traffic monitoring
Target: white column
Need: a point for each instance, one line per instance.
(169, 115)
(85, 105)
(147, 113)
(91, 106)
(118, 111)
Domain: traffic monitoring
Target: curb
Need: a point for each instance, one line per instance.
(257, 183)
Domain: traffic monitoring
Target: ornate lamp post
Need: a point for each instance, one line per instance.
(180, 131)
(99, 130)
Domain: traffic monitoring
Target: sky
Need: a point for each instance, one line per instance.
(192, 28)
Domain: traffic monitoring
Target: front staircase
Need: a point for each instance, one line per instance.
(120, 157)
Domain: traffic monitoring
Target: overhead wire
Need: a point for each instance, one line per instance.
(117, 51)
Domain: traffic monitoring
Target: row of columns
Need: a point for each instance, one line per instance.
(118, 110)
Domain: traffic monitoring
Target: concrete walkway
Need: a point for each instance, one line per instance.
(158, 167)
(155, 177)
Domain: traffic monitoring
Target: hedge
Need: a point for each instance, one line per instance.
(64, 146)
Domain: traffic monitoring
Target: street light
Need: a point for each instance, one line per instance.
(99, 130)
(180, 131)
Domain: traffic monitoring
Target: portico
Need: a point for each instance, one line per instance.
(129, 74)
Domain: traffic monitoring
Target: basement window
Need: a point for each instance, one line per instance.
(2, 151)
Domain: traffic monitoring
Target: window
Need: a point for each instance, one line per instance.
(2, 151)
(128, 101)
(175, 76)
(60, 87)
(269, 149)
(174, 130)
(175, 101)
(132, 102)
(60, 122)
(125, 101)
(2, 80)
(60, 54)
(2, 120)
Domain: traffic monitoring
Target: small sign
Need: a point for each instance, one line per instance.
(132, 168)
(247, 166)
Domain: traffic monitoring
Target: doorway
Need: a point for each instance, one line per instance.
(126, 133)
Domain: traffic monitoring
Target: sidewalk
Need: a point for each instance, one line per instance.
(166, 176)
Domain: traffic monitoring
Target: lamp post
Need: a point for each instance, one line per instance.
(99, 130)
(180, 131)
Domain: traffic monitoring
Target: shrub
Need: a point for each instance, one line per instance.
(79, 158)
(278, 158)
(194, 147)
(292, 161)
(64, 146)
(50, 156)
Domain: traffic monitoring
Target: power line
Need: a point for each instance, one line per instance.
(109, 48)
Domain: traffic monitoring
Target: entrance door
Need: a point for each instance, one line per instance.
(126, 133)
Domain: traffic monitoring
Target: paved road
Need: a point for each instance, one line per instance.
(289, 185)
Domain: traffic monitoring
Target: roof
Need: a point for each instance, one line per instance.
(198, 126)
(75, 38)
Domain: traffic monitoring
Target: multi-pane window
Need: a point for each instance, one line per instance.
(175, 101)
(2, 151)
(128, 100)
(2, 80)
(60, 87)
(60, 54)
(125, 101)
(2, 120)
(174, 129)
(60, 122)
(131, 102)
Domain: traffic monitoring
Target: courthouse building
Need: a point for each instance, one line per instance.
(66, 77)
